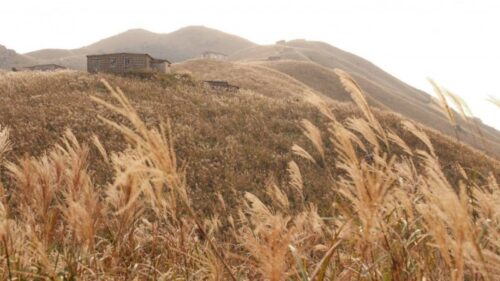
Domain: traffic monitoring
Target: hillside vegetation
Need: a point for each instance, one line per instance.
(172, 180)
(221, 132)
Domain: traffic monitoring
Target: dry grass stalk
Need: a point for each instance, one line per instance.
(460, 104)
(314, 135)
(463, 109)
(394, 138)
(356, 92)
(299, 151)
(97, 143)
(494, 101)
(5, 145)
(277, 195)
(443, 102)
(295, 177)
(410, 127)
(322, 105)
(159, 160)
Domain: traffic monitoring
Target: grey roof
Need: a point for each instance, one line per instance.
(44, 65)
(125, 53)
(213, 52)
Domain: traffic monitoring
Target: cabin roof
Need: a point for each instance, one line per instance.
(125, 53)
(34, 67)
(213, 52)
(48, 64)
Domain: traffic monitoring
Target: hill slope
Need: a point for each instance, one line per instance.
(262, 80)
(231, 141)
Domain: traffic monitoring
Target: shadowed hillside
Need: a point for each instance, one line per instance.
(317, 77)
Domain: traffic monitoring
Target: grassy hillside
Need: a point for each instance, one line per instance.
(262, 80)
(239, 186)
(219, 134)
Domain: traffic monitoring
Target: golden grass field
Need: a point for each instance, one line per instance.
(162, 178)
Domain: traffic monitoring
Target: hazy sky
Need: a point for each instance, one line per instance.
(455, 42)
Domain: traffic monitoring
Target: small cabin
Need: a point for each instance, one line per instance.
(274, 58)
(213, 55)
(40, 67)
(126, 62)
(221, 85)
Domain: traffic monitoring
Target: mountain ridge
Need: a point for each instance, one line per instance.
(10, 58)
(179, 45)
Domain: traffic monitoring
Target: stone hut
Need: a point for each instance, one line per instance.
(213, 55)
(126, 62)
(274, 58)
(221, 85)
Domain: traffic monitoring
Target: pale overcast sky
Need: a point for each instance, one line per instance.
(455, 42)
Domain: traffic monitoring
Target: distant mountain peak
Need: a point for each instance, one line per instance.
(195, 27)
(4, 50)
(185, 43)
(9, 58)
(136, 30)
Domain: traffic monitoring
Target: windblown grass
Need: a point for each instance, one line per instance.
(395, 214)
(464, 112)
(494, 101)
